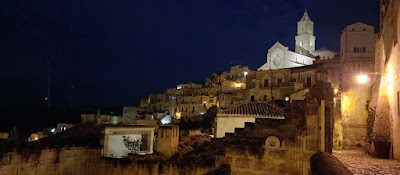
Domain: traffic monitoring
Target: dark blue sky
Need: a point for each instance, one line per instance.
(113, 53)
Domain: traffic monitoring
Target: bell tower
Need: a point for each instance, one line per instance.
(305, 39)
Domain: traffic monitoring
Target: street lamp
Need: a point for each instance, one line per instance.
(362, 79)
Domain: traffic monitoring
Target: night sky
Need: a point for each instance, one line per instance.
(113, 53)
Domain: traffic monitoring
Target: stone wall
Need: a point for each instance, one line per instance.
(387, 94)
(88, 161)
(291, 158)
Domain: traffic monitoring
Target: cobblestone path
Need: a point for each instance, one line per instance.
(360, 163)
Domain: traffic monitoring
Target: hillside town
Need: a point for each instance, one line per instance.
(307, 111)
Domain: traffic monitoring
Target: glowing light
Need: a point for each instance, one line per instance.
(178, 115)
(347, 103)
(45, 98)
(287, 99)
(179, 87)
(245, 73)
(238, 85)
(336, 91)
(166, 120)
(362, 78)
(53, 130)
(201, 113)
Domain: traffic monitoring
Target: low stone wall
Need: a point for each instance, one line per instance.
(327, 164)
(88, 161)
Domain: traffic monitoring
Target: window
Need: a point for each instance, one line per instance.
(253, 83)
(223, 98)
(279, 82)
(310, 43)
(360, 50)
(308, 81)
(252, 98)
(186, 109)
(194, 108)
(265, 97)
(301, 43)
(266, 83)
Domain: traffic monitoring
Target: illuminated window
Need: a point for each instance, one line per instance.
(301, 43)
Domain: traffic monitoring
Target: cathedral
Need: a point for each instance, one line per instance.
(280, 57)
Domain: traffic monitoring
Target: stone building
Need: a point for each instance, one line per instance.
(120, 141)
(385, 100)
(61, 127)
(230, 119)
(280, 84)
(357, 59)
(4, 135)
(305, 39)
(280, 57)
(101, 118)
(191, 99)
(168, 139)
(131, 113)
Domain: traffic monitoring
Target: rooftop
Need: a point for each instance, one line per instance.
(254, 109)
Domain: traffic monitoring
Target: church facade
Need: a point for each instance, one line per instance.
(280, 57)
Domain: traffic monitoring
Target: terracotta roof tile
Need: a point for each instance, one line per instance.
(254, 109)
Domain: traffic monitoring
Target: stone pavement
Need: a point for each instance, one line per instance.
(360, 163)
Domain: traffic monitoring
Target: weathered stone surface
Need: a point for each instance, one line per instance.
(242, 173)
(360, 163)
(243, 162)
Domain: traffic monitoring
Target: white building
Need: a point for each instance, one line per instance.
(324, 53)
(305, 39)
(280, 57)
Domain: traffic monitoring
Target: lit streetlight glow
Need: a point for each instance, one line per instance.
(336, 91)
(238, 85)
(178, 115)
(362, 79)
